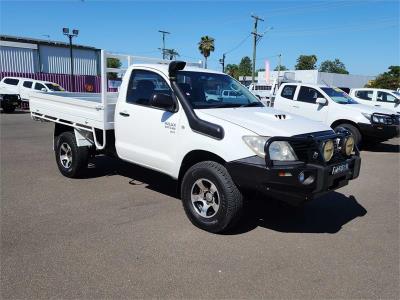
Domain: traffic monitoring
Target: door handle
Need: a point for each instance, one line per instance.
(377, 105)
(124, 114)
(295, 106)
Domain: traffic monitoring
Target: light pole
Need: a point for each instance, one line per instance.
(70, 36)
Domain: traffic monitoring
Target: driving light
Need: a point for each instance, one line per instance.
(281, 150)
(256, 143)
(348, 145)
(328, 149)
(306, 179)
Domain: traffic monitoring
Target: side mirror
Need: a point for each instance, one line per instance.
(162, 101)
(397, 101)
(321, 101)
(43, 90)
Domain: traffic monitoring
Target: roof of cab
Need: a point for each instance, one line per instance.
(164, 68)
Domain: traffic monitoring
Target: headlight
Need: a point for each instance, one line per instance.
(368, 116)
(348, 145)
(256, 143)
(328, 149)
(281, 150)
(278, 150)
(377, 119)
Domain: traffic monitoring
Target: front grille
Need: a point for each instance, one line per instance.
(309, 151)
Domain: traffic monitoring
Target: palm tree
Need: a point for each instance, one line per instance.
(232, 70)
(172, 53)
(206, 46)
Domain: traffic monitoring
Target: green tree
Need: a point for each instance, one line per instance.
(171, 53)
(333, 66)
(387, 80)
(232, 70)
(283, 68)
(306, 62)
(113, 63)
(245, 66)
(206, 46)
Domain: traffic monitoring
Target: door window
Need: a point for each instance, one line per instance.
(11, 81)
(364, 94)
(386, 97)
(143, 85)
(27, 84)
(39, 86)
(288, 92)
(308, 95)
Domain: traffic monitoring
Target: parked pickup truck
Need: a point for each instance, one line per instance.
(333, 107)
(24, 87)
(215, 149)
(377, 97)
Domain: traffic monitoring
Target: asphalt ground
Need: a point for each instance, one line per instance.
(121, 232)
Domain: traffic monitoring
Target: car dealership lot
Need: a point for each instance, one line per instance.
(121, 232)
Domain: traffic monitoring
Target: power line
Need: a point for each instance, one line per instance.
(238, 45)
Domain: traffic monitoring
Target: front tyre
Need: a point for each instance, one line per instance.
(210, 198)
(71, 159)
(353, 130)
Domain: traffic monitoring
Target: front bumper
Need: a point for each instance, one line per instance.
(378, 132)
(282, 180)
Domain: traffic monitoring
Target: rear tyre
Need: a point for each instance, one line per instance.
(353, 130)
(210, 198)
(8, 109)
(71, 160)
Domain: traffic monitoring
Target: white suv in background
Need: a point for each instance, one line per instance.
(24, 86)
(335, 108)
(377, 97)
(261, 91)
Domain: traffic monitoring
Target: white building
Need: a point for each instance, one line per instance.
(316, 77)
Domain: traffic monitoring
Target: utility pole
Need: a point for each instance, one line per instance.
(257, 37)
(163, 41)
(279, 67)
(222, 62)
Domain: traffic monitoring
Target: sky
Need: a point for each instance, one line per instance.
(363, 34)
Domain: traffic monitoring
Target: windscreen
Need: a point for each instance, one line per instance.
(338, 96)
(54, 87)
(207, 90)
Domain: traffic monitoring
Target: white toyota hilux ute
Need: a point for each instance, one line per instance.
(388, 99)
(333, 107)
(216, 149)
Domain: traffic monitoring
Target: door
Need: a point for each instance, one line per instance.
(306, 106)
(285, 100)
(26, 89)
(366, 97)
(387, 100)
(144, 134)
(40, 87)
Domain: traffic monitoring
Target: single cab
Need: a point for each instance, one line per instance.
(215, 148)
(336, 109)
